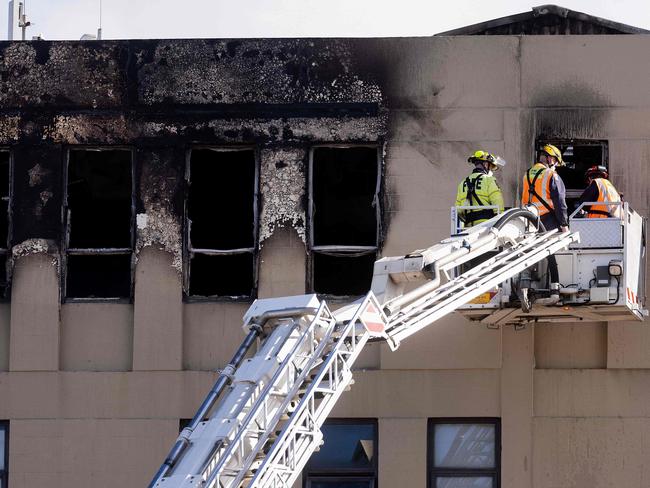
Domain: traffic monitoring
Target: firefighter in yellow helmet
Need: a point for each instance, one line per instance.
(480, 189)
(600, 189)
(544, 189)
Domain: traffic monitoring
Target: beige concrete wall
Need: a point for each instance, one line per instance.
(96, 337)
(561, 346)
(158, 312)
(35, 306)
(5, 321)
(102, 452)
(573, 398)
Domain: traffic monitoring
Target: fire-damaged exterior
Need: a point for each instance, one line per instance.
(94, 387)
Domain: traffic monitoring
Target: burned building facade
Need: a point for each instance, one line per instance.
(152, 189)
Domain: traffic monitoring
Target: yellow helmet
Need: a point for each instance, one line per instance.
(481, 157)
(553, 151)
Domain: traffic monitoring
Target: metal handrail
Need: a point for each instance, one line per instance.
(619, 204)
(455, 228)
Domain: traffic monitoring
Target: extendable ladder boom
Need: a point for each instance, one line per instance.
(426, 307)
(261, 422)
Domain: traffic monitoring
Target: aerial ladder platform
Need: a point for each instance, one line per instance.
(261, 421)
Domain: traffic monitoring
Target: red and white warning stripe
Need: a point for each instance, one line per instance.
(372, 319)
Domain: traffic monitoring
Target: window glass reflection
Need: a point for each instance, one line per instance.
(464, 446)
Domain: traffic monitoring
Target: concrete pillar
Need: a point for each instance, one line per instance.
(282, 265)
(35, 310)
(158, 313)
(402, 450)
(158, 300)
(517, 407)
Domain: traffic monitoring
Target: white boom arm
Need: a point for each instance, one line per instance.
(261, 421)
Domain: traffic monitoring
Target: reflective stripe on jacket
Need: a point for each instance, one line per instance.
(478, 189)
(539, 176)
(606, 193)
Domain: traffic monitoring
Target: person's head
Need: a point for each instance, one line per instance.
(596, 172)
(487, 161)
(550, 156)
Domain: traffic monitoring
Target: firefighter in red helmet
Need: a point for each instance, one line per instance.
(600, 190)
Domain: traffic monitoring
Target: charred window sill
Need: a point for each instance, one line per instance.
(219, 299)
(123, 301)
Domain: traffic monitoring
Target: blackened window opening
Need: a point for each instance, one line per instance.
(220, 203)
(344, 196)
(221, 227)
(99, 199)
(99, 219)
(579, 156)
(5, 220)
(344, 216)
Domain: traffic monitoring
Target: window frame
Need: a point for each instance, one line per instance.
(364, 250)
(65, 213)
(4, 474)
(6, 250)
(433, 472)
(352, 474)
(574, 193)
(188, 250)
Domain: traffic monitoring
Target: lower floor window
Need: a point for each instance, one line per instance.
(4, 453)
(464, 453)
(347, 458)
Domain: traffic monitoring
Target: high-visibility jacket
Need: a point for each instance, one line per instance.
(537, 188)
(606, 193)
(478, 189)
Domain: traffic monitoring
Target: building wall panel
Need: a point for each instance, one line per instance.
(96, 337)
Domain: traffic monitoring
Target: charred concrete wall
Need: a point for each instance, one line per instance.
(163, 97)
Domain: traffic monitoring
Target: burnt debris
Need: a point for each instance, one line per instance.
(237, 117)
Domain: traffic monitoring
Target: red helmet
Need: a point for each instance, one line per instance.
(597, 172)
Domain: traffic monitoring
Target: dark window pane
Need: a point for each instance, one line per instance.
(3, 447)
(221, 199)
(221, 275)
(344, 196)
(99, 276)
(346, 446)
(336, 275)
(99, 199)
(464, 482)
(4, 174)
(362, 483)
(4, 223)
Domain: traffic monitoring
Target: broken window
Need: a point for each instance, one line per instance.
(5, 220)
(99, 224)
(344, 214)
(221, 223)
(4, 453)
(464, 453)
(579, 156)
(347, 458)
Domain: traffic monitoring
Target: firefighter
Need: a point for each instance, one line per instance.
(480, 189)
(600, 189)
(544, 189)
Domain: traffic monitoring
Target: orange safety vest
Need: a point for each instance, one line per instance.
(606, 193)
(537, 188)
